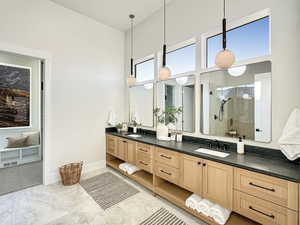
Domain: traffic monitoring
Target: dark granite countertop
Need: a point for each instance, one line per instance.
(262, 163)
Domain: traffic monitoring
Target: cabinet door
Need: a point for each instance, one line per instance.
(111, 145)
(218, 183)
(191, 174)
(131, 152)
(122, 149)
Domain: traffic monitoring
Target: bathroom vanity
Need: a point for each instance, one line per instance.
(258, 189)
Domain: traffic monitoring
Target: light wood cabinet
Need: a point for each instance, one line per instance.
(112, 145)
(122, 149)
(191, 174)
(281, 192)
(262, 211)
(166, 172)
(218, 183)
(131, 152)
(167, 157)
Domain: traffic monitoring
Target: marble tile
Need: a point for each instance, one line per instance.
(71, 205)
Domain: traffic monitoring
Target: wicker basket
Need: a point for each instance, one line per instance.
(70, 173)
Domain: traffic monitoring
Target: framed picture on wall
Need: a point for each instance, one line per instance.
(15, 83)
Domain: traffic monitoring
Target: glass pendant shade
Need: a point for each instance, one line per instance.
(237, 71)
(225, 59)
(131, 80)
(164, 73)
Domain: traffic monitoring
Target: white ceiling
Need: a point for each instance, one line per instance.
(114, 13)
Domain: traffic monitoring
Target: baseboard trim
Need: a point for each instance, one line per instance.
(53, 177)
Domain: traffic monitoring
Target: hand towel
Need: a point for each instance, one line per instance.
(123, 167)
(131, 169)
(219, 214)
(112, 118)
(193, 201)
(204, 206)
(290, 139)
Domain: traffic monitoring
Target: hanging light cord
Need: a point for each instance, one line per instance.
(131, 60)
(224, 26)
(164, 46)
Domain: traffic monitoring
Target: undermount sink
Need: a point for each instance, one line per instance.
(134, 135)
(212, 152)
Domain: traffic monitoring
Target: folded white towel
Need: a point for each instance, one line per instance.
(290, 139)
(128, 168)
(219, 214)
(193, 201)
(204, 206)
(131, 169)
(123, 167)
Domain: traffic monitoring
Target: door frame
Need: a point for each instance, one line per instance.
(46, 98)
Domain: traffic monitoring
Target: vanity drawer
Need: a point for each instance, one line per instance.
(111, 144)
(144, 164)
(146, 149)
(262, 211)
(166, 172)
(167, 157)
(281, 192)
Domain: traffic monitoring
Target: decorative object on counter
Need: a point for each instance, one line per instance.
(169, 116)
(173, 135)
(112, 121)
(290, 139)
(225, 58)
(70, 173)
(131, 80)
(119, 127)
(179, 136)
(165, 72)
(240, 146)
(124, 127)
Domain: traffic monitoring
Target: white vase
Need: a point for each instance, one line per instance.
(162, 130)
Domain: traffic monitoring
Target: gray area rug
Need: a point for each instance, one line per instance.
(107, 189)
(163, 217)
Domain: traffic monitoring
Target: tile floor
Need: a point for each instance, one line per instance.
(20, 177)
(59, 205)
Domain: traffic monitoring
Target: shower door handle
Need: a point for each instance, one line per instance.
(258, 130)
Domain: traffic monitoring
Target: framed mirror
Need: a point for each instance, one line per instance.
(179, 92)
(237, 102)
(142, 104)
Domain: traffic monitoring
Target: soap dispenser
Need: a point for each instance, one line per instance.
(240, 146)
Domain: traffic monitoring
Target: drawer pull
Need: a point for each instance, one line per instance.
(143, 150)
(268, 189)
(265, 214)
(167, 157)
(166, 172)
(145, 164)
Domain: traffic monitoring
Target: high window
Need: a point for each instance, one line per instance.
(144, 71)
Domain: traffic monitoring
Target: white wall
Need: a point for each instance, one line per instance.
(87, 75)
(191, 18)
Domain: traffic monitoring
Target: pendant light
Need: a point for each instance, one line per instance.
(164, 72)
(225, 58)
(131, 80)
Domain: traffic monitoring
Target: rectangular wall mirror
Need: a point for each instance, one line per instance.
(237, 102)
(179, 92)
(141, 104)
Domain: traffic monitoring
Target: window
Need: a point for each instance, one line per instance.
(247, 41)
(144, 71)
(182, 60)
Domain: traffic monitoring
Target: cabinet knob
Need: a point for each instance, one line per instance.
(199, 163)
(204, 164)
